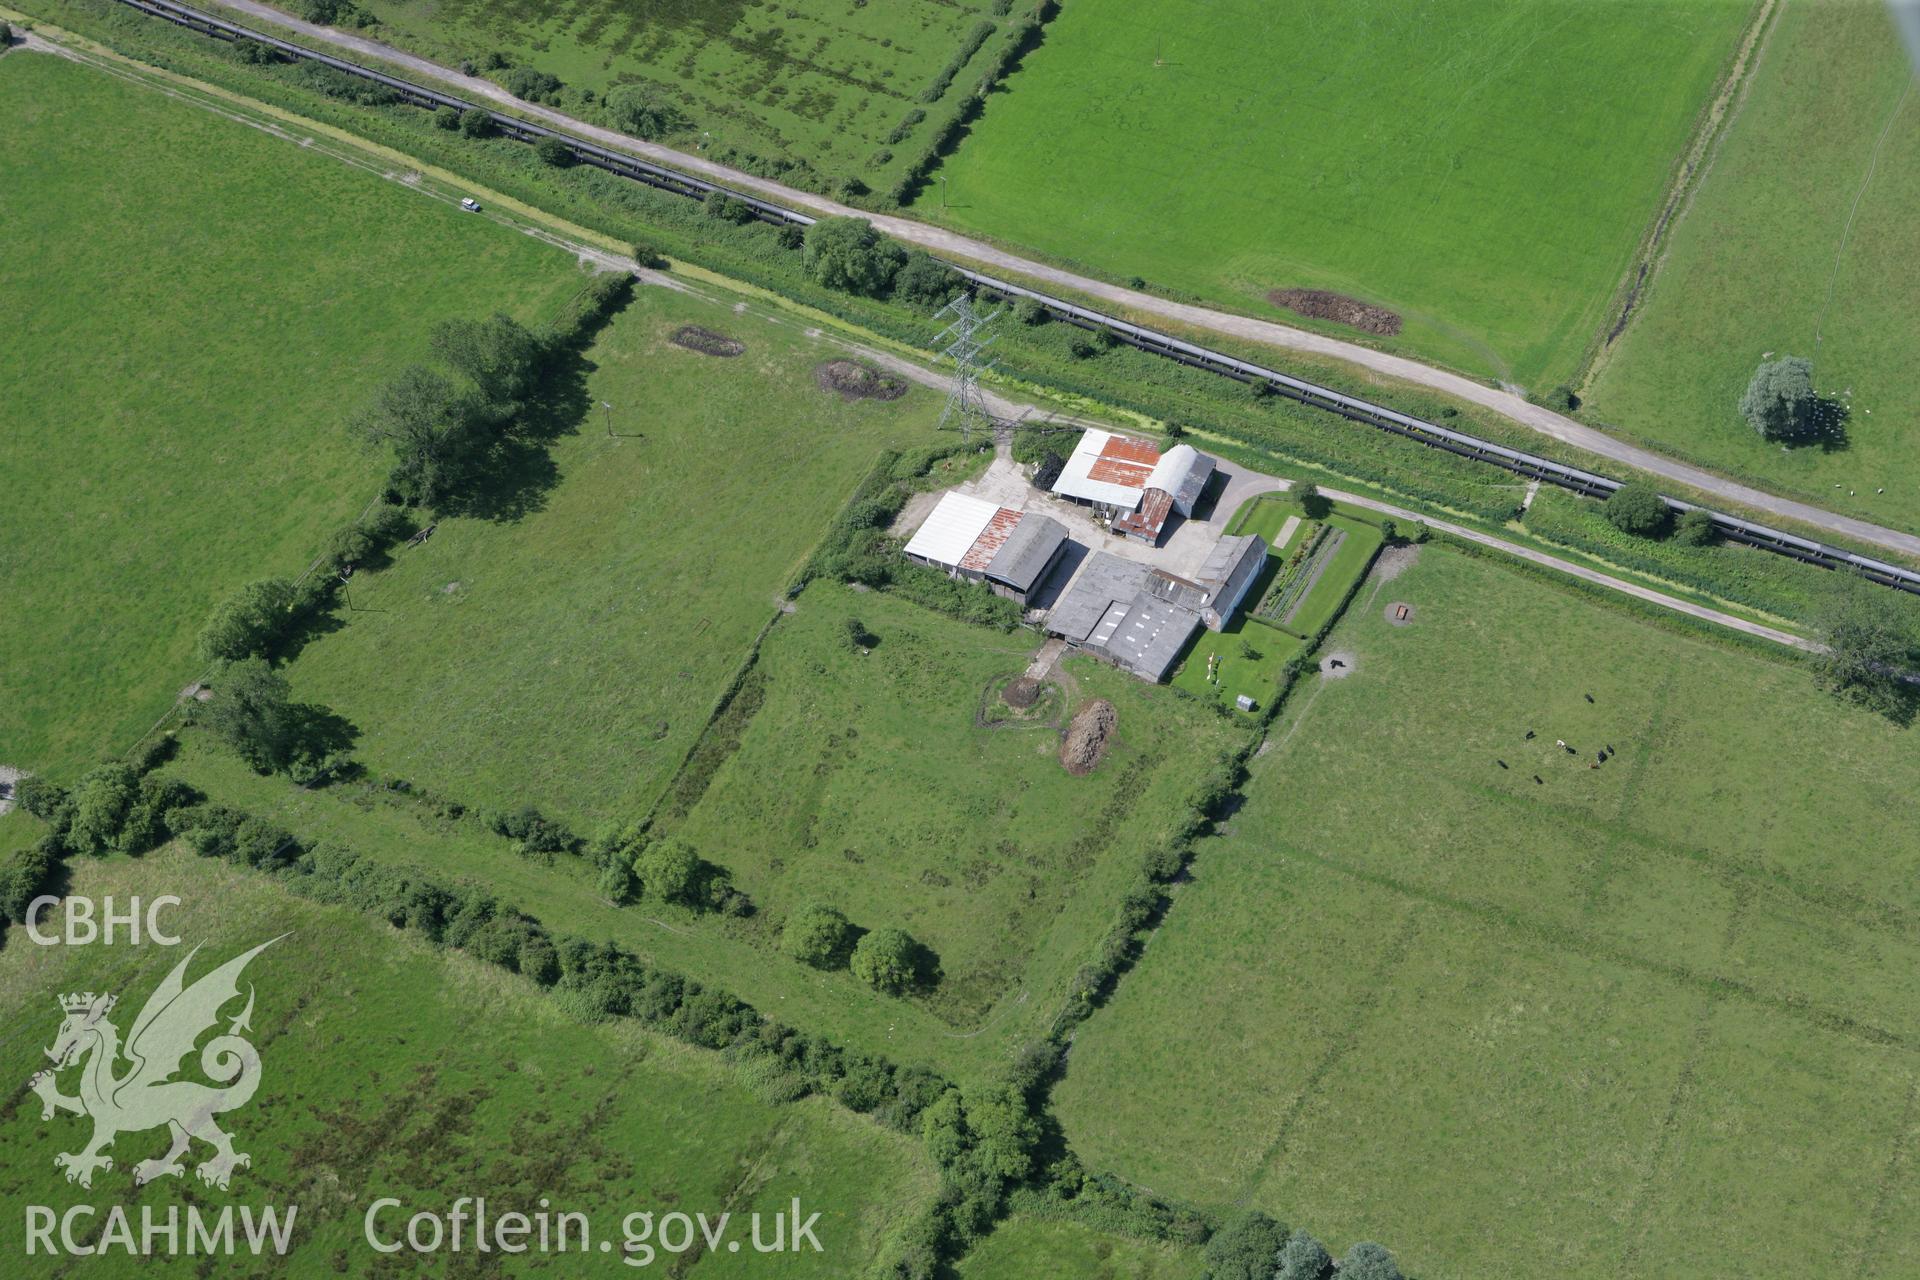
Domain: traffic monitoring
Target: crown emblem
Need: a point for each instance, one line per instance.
(81, 1002)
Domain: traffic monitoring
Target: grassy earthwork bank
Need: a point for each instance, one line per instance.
(1621, 1020)
(1799, 241)
(374, 1084)
(1482, 169)
(232, 295)
(1024, 1247)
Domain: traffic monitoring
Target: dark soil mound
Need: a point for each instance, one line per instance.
(1022, 693)
(1086, 739)
(707, 342)
(1337, 307)
(855, 381)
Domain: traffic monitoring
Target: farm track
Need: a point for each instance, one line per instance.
(1266, 332)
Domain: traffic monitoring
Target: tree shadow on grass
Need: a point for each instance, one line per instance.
(1825, 428)
(518, 473)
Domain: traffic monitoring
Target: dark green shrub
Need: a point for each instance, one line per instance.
(849, 255)
(41, 797)
(926, 282)
(1695, 528)
(818, 935)
(26, 875)
(887, 960)
(476, 123)
(1637, 508)
(1561, 399)
(447, 118)
(249, 622)
(529, 85)
(1369, 1261)
(636, 110)
(1245, 1247)
(553, 151)
(98, 807)
(722, 207)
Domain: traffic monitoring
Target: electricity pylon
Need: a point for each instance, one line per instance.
(965, 345)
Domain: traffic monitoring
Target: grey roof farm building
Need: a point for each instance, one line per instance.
(1141, 618)
(1227, 574)
(1028, 555)
(1110, 611)
(968, 537)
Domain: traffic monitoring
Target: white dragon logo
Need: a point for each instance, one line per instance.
(146, 1096)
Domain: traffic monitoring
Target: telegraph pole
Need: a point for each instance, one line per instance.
(965, 345)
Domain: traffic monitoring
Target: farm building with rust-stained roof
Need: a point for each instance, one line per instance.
(951, 530)
(1107, 470)
(1134, 482)
(968, 537)
(1174, 485)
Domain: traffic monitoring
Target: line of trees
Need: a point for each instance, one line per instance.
(1252, 1246)
(447, 425)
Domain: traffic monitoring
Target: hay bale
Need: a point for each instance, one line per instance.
(1086, 739)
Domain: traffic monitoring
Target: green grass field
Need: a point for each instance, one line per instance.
(1484, 168)
(1800, 241)
(861, 781)
(865, 781)
(187, 324)
(817, 82)
(1656, 1018)
(569, 659)
(374, 1083)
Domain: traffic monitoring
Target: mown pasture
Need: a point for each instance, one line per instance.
(192, 306)
(1482, 168)
(568, 658)
(878, 783)
(1801, 241)
(375, 1083)
(1655, 1017)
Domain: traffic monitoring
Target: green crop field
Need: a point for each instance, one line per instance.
(1483, 168)
(569, 658)
(1800, 241)
(822, 84)
(374, 1084)
(184, 324)
(1654, 1018)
